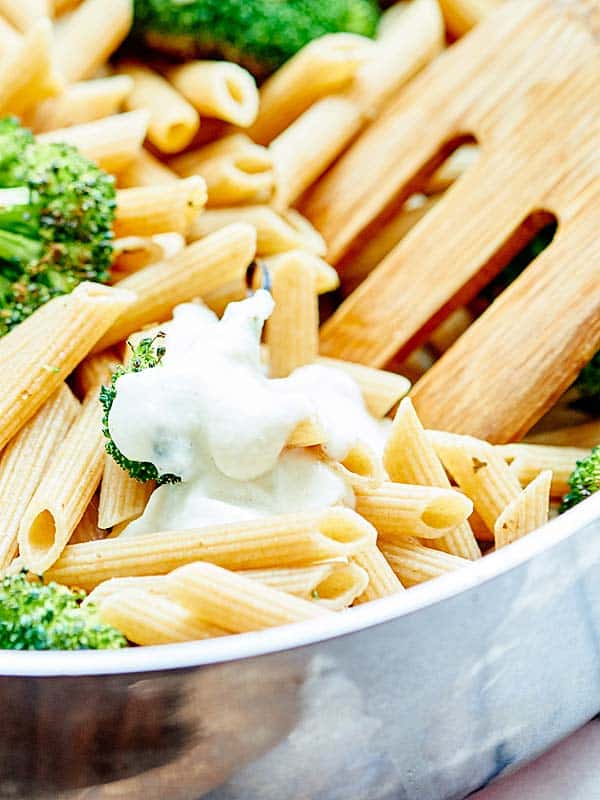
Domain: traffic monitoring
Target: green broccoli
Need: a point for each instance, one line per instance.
(588, 384)
(145, 355)
(37, 616)
(260, 34)
(56, 215)
(584, 480)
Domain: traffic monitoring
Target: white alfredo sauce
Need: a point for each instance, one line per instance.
(210, 415)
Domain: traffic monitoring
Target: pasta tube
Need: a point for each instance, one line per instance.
(452, 168)
(65, 491)
(409, 457)
(81, 102)
(234, 602)
(292, 333)
(93, 372)
(88, 36)
(528, 511)
(323, 66)
(38, 354)
(132, 253)
(197, 270)
(218, 89)
(479, 470)
(585, 435)
(292, 540)
(382, 580)
(145, 170)
(173, 121)
(146, 210)
(112, 142)
(413, 563)
(26, 459)
(398, 510)
(381, 390)
(147, 619)
(528, 460)
(121, 497)
(23, 14)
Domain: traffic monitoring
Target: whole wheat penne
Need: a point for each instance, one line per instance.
(290, 540)
(292, 332)
(121, 497)
(87, 37)
(148, 619)
(23, 14)
(362, 467)
(413, 563)
(479, 470)
(528, 511)
(409, 457)
(326, 277)
(9, 36)
(146, 210)
(462, 15)
(528, 460)
(398, 510)
(25, 460)
(93, 372)
(311, 238)
(452, 168)
(218, 89)
(132, 253)
(65, 490)
(145, 170)
(197, 270)
(451, 329)
(113, 142)
(38, 354)
(152, 584)
(173, 121)
(234, 602)
(414, 34)
(26, 70)
(381, 390)
(334, 585)
(585, 435)
(235, 170)
(81, 102)
(322, 67)
(382, 580)
(274, 234)
(87, 529)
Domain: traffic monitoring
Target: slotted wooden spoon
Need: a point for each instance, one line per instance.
(526, 84)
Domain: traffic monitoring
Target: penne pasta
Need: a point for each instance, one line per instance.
(462, 15)
(528, 460)
(146, 210)
(197, 270)
(151, 584)
(80, 103)
(40, 352)
(409, 457)
(381, 390)
(218, 89)
(479, 470)
(25, 460)
(9, 36)
(27, 75)
(235, 602)
(87, 529)
(65, 490)
(274, 234)
(382, 580)
(146, 618)
(398, 510)
(292, 331)
(413, 563)
(173, 122)
(59, 7)
(362, 467)
(451, 329)
(586, 435)
(235, 170)
(291, 540)
(145, 170)
(112, 142)
(24, 14)
(322, 67)
(528, 511)
(93, 372)
(452, 168)
(132, 253)
(87, 37)
(121, 497)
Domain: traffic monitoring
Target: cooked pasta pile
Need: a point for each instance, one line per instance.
(209, 169)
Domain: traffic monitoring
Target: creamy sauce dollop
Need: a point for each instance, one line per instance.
(210, 415)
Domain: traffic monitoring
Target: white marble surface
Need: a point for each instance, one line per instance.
(570, 771)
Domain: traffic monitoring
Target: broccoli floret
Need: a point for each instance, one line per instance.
(584, 480)
(588, 384)
(145, 355)
(260, 34)
(37, 616)
(56, 215)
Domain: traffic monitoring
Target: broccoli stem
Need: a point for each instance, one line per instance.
(16, 248)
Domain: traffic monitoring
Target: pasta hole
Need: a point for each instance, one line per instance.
(445, 512)
(42, 532)
(235, 92)
(178, 135)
